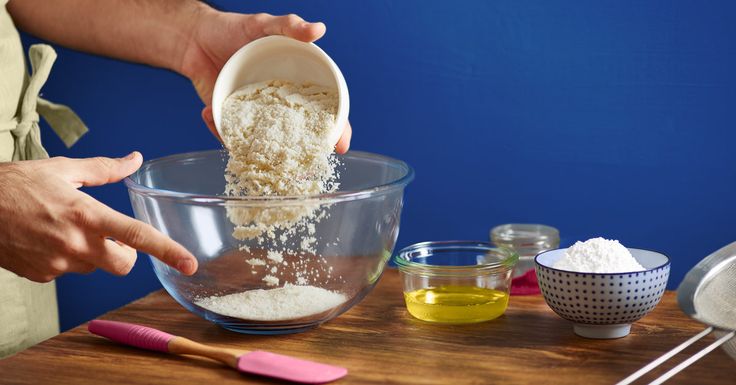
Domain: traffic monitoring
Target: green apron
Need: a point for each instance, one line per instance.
(28, 312)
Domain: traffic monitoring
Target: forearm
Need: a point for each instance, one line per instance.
(155, 32)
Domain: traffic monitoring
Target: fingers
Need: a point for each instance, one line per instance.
(50, 268)
(344, 143)
(209, 120)
(145, 238)
(293, 26)
(100, 170)
(78, 266)
(115, 258)
(109, 255)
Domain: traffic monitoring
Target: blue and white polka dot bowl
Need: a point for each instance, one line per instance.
(603, 305)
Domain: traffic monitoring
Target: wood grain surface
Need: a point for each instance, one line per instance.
(380, 343)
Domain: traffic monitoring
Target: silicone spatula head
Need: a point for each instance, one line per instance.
(289, 368)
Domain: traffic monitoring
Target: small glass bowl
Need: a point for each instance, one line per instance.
(456, 282)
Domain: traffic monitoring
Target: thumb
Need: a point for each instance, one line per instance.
(343, 144)
(100, 170)
(293, 26)
(209, 120)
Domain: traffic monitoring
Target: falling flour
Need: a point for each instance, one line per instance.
(275, 256)
(271, 280)
(284, 303)
(598, 255)
(277, 134)
(255, 262)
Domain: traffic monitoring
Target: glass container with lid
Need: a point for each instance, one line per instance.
(527, 240)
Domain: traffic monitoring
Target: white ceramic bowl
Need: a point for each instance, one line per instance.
(603, 305)
(281, 58)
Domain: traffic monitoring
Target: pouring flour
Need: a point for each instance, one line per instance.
(277, 134)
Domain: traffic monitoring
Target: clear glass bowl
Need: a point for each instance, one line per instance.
(456, 281)
(182, 196)
(527, 240)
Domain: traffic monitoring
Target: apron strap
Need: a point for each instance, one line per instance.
(67, 125)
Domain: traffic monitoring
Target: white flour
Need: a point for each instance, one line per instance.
(284, 303)
(270, 280)
(275, 256)
(598, 255)
(255, 262)
(277, 135)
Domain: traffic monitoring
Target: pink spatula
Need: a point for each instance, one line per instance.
(256, 362)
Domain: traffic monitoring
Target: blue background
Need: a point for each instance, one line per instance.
(610, 118)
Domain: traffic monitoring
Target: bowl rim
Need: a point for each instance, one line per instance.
(407, 266)
(669, 262)
(333, 197)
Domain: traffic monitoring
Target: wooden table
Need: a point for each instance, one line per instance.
(379, 342)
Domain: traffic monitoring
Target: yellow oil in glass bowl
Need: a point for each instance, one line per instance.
(456, 304)
(456, 282)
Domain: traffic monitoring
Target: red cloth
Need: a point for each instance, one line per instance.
(526, 284)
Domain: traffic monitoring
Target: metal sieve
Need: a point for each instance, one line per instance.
(707, 294)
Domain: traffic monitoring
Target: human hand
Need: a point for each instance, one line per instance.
(51, 228)
(217, 35)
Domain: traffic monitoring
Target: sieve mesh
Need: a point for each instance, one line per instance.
(715, 298)
(708, 294)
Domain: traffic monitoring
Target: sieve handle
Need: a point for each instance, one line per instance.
(664, 357)
(693, 358)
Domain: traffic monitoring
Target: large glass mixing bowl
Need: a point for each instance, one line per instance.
(182, 196)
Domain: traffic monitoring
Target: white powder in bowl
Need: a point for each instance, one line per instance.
(284, 303)
(277, 135)
(598, 255)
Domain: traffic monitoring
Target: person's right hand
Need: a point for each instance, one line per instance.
(215, 36)
(49, 227)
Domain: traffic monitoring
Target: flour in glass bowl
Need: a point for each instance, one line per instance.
(598, 255)
(284, 303)
(277, 136)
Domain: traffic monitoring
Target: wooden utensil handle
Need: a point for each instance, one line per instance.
(181, 345)
(153, 339)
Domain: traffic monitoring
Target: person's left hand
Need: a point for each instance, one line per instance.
(217, 35)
